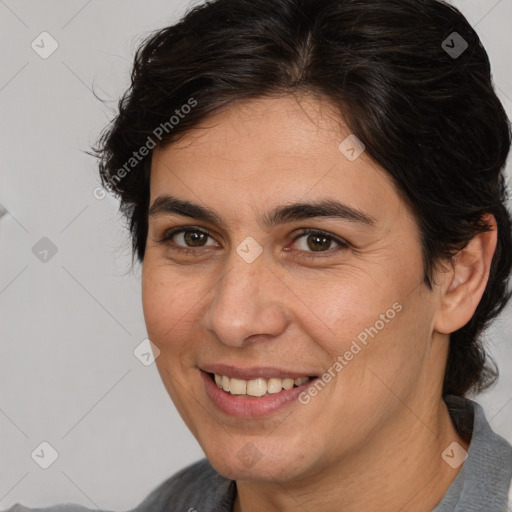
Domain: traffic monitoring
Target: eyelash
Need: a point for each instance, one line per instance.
(342, 244)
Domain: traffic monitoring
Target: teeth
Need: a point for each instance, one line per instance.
(257, 387)
(237, 386)
(288, 383)
(274, 385)
(226, 381)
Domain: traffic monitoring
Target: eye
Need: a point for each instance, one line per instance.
(308, 241)
(312, 240)
(187, 238)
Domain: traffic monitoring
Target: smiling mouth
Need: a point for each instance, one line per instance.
(257, 387)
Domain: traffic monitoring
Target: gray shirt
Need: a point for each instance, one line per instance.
(482, 484)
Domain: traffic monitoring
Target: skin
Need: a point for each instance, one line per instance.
(375, 433)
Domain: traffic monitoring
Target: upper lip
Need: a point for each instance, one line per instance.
(266, 372)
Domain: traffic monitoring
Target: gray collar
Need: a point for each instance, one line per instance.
(483, 483)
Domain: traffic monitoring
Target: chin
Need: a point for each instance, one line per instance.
(263, 464)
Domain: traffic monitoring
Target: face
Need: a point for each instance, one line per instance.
(275, 259)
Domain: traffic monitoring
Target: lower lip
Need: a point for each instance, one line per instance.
(248, 406)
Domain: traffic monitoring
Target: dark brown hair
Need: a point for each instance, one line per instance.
(412, 81)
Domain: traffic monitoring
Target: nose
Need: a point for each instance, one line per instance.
(246, 305)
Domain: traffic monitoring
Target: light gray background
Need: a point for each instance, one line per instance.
(68, 327)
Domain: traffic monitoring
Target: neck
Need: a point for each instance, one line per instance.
(399, 469)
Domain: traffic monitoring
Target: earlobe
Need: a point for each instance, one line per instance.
(465, 282)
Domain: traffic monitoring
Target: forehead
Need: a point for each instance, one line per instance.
(269, 151)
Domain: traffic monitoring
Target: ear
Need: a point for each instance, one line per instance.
(464, 283)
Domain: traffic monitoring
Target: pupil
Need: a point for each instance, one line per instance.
(194, 238)
(318, 242)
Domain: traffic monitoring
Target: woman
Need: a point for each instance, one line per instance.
(315, 192)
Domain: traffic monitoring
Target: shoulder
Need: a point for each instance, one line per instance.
(57, 508)
(483, 483)
(197, 487)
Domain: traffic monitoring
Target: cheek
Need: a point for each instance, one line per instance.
(341, 305)
(169, 302)
(385, 358)
(375, 322)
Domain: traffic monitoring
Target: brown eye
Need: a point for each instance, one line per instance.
(313, 241)
(188, 238)
(195, 238)
(319, 242)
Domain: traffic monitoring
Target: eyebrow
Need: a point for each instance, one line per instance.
(166, 204)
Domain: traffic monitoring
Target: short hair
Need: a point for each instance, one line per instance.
(411, 80)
